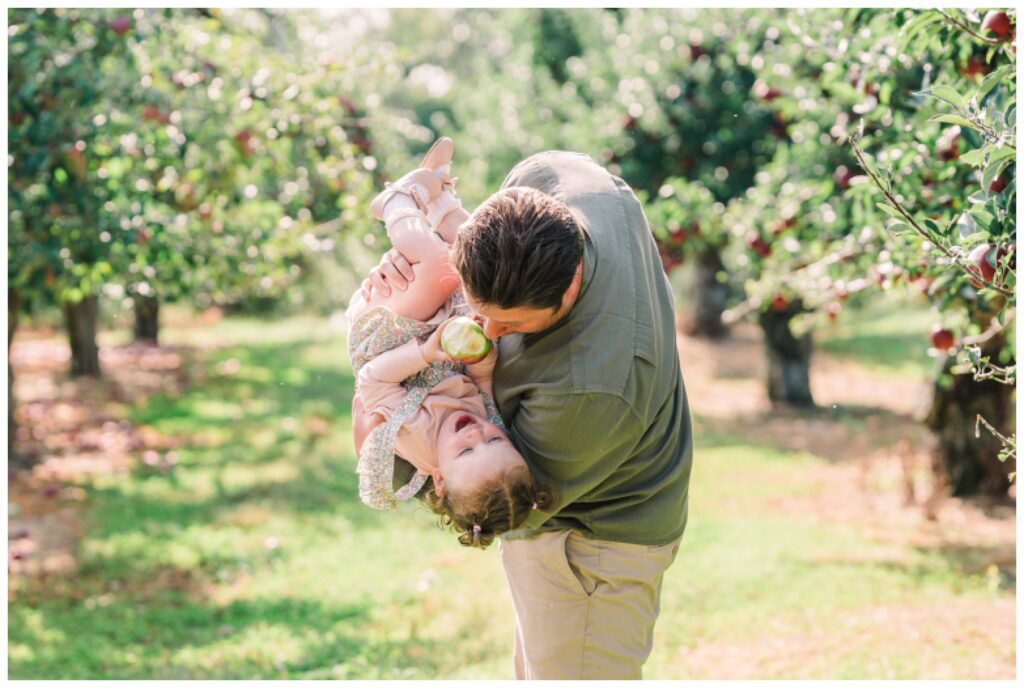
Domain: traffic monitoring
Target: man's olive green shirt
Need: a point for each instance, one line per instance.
(596, 402)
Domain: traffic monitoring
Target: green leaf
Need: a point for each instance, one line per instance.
(1000, 154)
(974, 158)
(933, 229)
(899, 228)
(992, 171)
(948, 94)
(890, 210)
(953, 119)
(990, 81)
(915, 26)
(983, 219)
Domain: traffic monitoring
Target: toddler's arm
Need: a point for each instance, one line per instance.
(380, 379)
(482, 373)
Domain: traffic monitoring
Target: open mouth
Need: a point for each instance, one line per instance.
(462, 422)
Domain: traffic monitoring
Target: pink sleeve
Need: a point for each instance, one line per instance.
(379, 379)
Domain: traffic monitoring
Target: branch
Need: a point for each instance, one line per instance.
(959, 24)
(916, 227)
(1009, 443)
(995, 328)
(1001, 375)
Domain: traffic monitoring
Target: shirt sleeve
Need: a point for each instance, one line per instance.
(578, 441)
(379, 380)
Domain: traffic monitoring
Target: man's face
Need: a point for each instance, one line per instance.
(497, 322)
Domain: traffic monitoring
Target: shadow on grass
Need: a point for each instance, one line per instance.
(248, 384)
(262, 411)
(177, 638)
(948, 564)
(267, 428)
(837, 434)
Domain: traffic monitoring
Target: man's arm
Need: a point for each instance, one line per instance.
(576, 440)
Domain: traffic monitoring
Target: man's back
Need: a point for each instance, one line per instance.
(597, 402)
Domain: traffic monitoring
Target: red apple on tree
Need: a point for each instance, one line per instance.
(842, 176)
(244, 139)
(978, 263)
(76, 163)
(153, 114)
(779, 129)
(974, 67)
(833, 309)
(758, 245)
(942, 338)
(947, 145)
(765, 92)
(997, 23)
(779, 303)
(120, 25)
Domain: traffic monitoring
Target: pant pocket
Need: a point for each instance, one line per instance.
(583, 561)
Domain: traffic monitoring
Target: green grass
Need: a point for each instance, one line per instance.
(253, 557)
(889, 335)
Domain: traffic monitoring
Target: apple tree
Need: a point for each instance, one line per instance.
(68, 69)
(943, 184)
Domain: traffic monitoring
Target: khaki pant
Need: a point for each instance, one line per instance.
(585, 609)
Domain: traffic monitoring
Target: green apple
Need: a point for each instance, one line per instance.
(465, 341)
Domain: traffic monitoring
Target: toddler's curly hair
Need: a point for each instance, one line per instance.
(496, 507)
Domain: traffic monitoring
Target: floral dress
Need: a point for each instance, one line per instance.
(371, 334)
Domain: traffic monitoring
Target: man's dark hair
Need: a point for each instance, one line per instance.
(520, 249)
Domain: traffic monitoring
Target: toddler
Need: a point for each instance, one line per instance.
(411, 398)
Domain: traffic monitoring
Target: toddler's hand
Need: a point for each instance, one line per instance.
(431, 349)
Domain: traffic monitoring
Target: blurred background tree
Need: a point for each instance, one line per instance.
(224, 158)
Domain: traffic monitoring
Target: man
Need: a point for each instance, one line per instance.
(561, 265)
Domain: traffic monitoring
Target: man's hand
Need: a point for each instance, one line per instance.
(393, 272)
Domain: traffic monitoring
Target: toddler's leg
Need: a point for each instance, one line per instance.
(434, 277)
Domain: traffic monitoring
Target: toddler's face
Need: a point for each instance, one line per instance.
(471, 449)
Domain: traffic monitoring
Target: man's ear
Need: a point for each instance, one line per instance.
(569, 298)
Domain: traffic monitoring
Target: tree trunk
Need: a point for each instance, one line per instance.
(80, 319)
(13, 309)
(147, 320)
(789, 358)
(709, 295)
(972, 464)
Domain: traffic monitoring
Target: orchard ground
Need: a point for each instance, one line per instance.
(194, 515)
